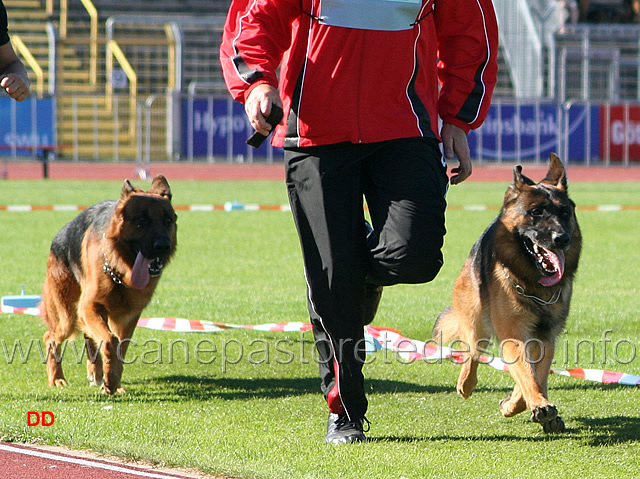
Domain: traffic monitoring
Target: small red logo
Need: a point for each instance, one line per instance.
(45, 418)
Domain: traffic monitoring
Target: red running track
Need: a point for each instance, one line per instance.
(32, 462)
(233, 172)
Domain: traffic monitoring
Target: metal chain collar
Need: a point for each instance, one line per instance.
(520, 290)
(108, 270)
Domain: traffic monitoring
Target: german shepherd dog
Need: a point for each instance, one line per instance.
(102, 270)
(516, 285)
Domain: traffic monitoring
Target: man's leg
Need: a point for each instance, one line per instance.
(325, 193)
(372, 292)
(405, 186)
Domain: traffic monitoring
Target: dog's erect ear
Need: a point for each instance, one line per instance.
(556, 176)
(160, 186)
(519, 179)
(127, 189)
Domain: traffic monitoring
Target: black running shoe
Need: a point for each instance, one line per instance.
(341, 430)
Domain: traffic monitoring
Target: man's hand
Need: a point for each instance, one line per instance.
(15, 86)
(454, 140)
(258, 107)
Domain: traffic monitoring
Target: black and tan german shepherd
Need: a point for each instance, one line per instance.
(516, 285)
(102, 271)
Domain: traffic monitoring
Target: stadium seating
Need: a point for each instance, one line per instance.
(106, 92)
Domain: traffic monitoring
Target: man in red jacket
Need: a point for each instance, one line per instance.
(363, 84)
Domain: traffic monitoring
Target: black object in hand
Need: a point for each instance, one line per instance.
(273, 119)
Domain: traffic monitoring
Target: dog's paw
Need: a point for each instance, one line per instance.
(544, 414)
(505, 408)
(60, 382)
(554, 426)
(509, 409)
(467, 380)
(111, 391)
(464, 391)
(105, 389)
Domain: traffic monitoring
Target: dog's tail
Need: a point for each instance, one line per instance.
(445, 328)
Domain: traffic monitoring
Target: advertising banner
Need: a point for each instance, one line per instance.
(531, 131)
(619, 136)
(25, 125)
(217, 129)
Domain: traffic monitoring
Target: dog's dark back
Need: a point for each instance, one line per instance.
(67, 243)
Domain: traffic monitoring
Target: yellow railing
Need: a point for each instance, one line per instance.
(93, 40)
(49, 7)
(171, 74)
(24, 52)
(114, 52)
(93, 34)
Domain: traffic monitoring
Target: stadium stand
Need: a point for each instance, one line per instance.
(117, 68)
(72, 54)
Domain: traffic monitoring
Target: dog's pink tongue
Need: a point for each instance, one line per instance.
(140, 273)
(557, 259)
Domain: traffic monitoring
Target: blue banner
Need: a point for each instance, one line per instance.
(584, 128)
(26, 124)
(218, 127)
(531, 131)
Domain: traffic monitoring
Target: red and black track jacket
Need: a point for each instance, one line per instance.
(361, 85)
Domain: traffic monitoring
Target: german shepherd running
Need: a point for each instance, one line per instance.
(516, 285)
(102, 270)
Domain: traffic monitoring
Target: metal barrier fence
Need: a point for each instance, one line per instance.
(213, 129)
(596, 62)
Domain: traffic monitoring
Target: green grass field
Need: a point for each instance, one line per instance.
(247, 404)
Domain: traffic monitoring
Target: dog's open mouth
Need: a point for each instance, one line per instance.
(549, 263)
(143, 269)
(155, 267)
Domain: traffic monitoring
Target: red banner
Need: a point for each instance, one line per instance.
(620, 129)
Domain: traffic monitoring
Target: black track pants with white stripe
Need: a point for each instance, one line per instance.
(404, 183)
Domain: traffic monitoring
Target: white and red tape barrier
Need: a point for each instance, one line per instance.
(235, 206)
(377, 338)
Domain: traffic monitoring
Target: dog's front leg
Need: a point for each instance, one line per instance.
(525, 360)
(522, 369)
(112, 367)
(123, 330)
(94, 325)
(542, 353)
